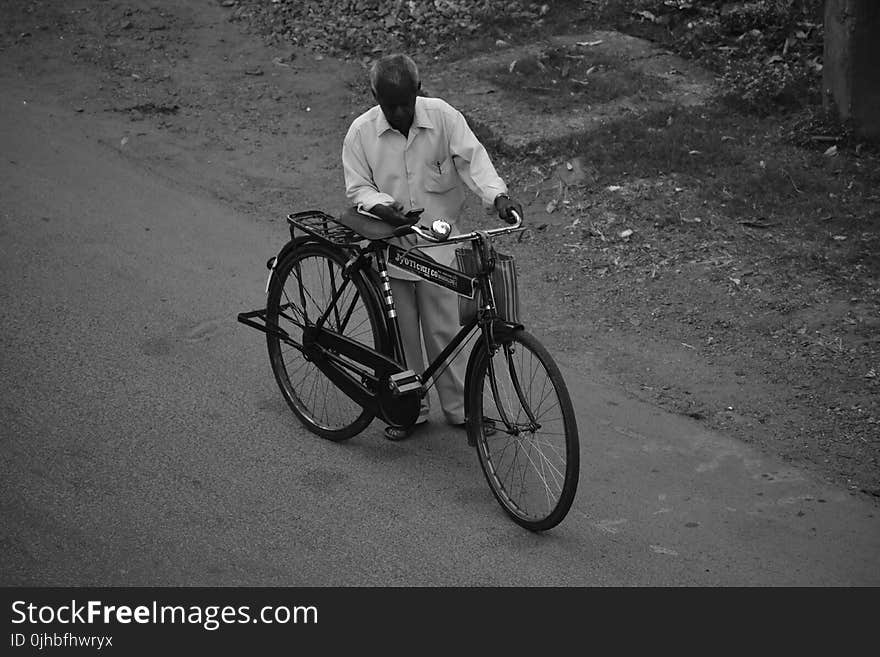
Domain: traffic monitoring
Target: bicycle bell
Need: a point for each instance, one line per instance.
(441, 229)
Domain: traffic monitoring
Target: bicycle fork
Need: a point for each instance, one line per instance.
(512, 427)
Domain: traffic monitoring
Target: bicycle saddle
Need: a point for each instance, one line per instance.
(369, 227)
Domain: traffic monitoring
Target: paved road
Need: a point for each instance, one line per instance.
(144, 442)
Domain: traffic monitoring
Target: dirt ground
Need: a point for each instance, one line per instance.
(668, 284)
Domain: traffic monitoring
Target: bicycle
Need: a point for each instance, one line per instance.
(336, 353)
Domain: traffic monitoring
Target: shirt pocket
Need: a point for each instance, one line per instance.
(440, 176)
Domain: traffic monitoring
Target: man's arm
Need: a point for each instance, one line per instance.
(472, 159)
(476, 168)
(360, 189)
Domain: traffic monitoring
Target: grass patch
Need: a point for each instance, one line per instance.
(566, 77)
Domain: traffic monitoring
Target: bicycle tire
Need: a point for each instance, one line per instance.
(321, 407)
(539, 494)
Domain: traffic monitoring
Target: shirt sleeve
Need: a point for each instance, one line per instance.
(472, 160)
(359, 185)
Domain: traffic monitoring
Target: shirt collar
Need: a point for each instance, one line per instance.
(420, 120)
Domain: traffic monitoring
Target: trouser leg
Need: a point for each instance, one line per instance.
(410, 332)
(438, 311)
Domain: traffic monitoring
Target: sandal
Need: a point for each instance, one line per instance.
(402, 433)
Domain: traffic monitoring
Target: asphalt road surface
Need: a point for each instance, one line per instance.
(144, 441)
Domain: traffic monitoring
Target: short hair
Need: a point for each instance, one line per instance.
(397, 70)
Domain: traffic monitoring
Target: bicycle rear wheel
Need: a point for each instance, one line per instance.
(532, 460)
(302, 288)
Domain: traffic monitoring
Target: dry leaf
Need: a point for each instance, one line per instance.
(647, 15)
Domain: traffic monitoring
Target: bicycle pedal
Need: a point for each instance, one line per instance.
(404, 382)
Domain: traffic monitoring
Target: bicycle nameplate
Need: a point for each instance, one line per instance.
(431, 271)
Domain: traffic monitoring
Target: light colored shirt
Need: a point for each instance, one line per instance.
(430, 168)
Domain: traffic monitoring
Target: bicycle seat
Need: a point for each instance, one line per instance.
(368, 227)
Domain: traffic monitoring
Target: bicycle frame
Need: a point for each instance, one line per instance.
(368, 375)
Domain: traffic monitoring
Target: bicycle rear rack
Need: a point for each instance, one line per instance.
(323, 226)
(317, 224)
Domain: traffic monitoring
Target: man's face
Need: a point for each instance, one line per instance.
(398, 104)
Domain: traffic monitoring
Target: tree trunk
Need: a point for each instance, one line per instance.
(851, 74)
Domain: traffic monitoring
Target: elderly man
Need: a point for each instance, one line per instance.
(411, 152)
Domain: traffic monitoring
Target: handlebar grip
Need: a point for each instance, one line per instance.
(405, 229)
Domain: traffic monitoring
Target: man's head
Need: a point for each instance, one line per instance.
(394, 81)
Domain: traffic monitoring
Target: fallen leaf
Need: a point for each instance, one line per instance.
(756, 224)
(646, 15)
(831, 152)
(626, 233)
(614, 188)
(551, 206)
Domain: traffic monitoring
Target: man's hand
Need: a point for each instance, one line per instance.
(506, 206)
(393, 214)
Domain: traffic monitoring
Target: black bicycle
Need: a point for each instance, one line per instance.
(335, 349)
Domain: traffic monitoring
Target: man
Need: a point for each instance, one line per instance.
(411, 152)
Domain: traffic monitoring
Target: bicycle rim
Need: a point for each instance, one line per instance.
(304, 285)
(531, 462)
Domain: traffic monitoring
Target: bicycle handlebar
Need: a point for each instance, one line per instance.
(427, 234)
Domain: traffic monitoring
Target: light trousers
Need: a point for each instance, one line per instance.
(429, 313)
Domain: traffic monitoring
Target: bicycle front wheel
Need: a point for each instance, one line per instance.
(303, 287)
(521, 417)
